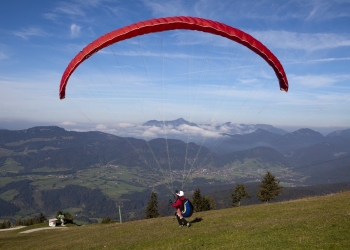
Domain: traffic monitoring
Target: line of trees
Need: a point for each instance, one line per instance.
(107, 220)
(5, 224)
(27, 222)
(31, 221)
(269, 188)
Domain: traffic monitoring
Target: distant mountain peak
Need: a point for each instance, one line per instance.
(306, 132)
(249, 128)
(343, 133)
(175, 123)
(51, 128)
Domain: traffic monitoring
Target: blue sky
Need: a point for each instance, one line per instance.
(196, 76)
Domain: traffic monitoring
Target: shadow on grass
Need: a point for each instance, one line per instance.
(196, 220)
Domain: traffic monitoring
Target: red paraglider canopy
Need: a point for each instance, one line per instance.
(173, 23)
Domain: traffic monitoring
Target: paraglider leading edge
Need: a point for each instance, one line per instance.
(173, 23)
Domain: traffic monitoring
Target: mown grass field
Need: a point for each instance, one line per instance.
(311, 223)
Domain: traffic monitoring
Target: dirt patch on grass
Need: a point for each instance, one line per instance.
(42, 228)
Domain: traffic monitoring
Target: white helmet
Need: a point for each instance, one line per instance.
(180, 194)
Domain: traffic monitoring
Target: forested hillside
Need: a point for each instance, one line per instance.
(44, 169)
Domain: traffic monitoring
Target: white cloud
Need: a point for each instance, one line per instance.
(301, 41)
(68, 123)
(166, 8)
(317, 81)
(334, 98)
(50, 16)
(101, 127)
(199, 131)
(152, 54)
(69, 9)
(74, 9)
(75, 30)
(181, 131)
(250, 9)
(149, 134)
(31, 31)
(328, 9)
(125, 125)
(331, 59)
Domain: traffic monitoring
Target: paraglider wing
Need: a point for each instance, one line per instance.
(173, 23)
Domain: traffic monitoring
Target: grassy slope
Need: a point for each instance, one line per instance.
(312, 223)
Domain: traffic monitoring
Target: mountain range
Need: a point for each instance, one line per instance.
(306, 150)
(41, 163)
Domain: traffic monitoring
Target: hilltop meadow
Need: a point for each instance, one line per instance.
(321, 222)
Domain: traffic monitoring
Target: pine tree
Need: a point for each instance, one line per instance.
(202, 203)
(68, 218)
(7, 224)
(26, 223)
(107, 220)
(238, 195)
(41, 218)
(208, 203)
(19, 222)
(151, 209)
(197, 200)
(269, 188)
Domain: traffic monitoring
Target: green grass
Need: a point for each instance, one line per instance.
(9, 195)
(46, 169)
(21, 142)
(11, 165)
(311, 223)
(101, 177)
(5, 180)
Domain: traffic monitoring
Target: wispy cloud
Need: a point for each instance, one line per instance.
(68, 123)
(101, 127)
(134, 53)
(167, 8)
(150, 132)
(318, 81)
(299, 9)
(50, 16)
(304, 99)
(29, 32)
(250, 9)
(302, 41)
(74, 9)
(328, 9)
(330, 59)
(92, 3)
(3, 56)
(322, 60)
(71, 9)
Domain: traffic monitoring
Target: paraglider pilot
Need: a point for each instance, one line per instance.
(178, 205)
